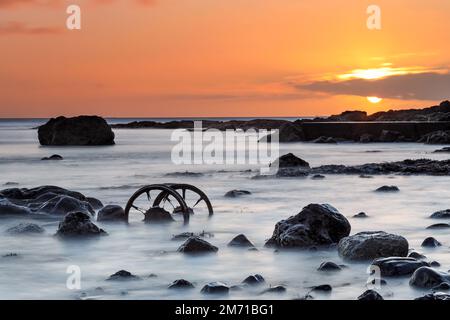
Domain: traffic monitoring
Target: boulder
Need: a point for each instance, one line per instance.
(427, 278)
(8, 208)
(318, 177)
(276, 289)
(315, 225)
(370, 295)
(398, 266)
(288, 132)
(443, 150)
(435, 264)
(388, 189)
(443, 214)
(361, 215)
(215, 288)
(329, 266)
(158, 215)
(253, 280)
(195, 245)
(76, 224)
(181, 284)
(78, 131)
(431, 243)
(111, 213)
(371, 245)
(54, 157)
(123, 275)
(26, 228)
(322, 288)
(236, 193)
(61, 205)
(291, 161)
(241, 241)
(95, 203)
(416, 255)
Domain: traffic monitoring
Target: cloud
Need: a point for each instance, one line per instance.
(15, 27)
(421, 86)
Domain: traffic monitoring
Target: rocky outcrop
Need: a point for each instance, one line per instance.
(78, 224)
(435, 296)
(371, 245)
(315, 225)
(112, 213)
(289, 165)
(8, 208)
(436, 137)
(78, 131)
(428, 278)
(215, 288)
(195, 245)
(349, 116)
(398, 266)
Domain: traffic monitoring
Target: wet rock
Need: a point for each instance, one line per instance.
(318, 177)
(322, 288)
(61, 205)
(443, 150)
(372, 245)
(276, 289)
(370, 295)
(8, 208)
(196, 245)
(253, 280)
(290, 161)
(26, 228)
(435, 264)
(122, 275)
(11, 183)
(431, 243)
(215, 288)
(439, 226)
(324, 139)
(78, 131)
(427, 278)
(157, 215)
(95, 203)
(76, 224)
(416, 255)
(437, 137)
(237, 193)
(56, 157)
(398, 266)
(241, 241)
(183, 236)
(437, 296)
(315, 225)
(185, 174)
(444, 286)
(443, 214)
(361, 215)
(329, 266)
(111, 213)
(365, 176)
(388, 189)
(181, 284)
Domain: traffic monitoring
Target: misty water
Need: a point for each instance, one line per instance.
(142, 157)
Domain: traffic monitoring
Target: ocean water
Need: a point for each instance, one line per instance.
(142, 157)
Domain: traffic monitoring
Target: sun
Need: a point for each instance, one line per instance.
(374, 99)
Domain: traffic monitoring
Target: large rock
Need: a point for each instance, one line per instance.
(291, 161)
(431, 243)
(112, 213)
(215, 288)
(428, 278)
(315, 225)
(76, 224)
(158, 215)
(370, 295)
(288, 132)
(241, 241)
(372, 245)
(195, 245)
(398, 266)
(61, 205)
(78, 131)
(443, 214)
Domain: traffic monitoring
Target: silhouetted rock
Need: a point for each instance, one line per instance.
(329, 266)
(435, 264)
(78, 131)
(291, 161)
(437, 137)
(288, 132)
(61, 205)
(315, 225)
(443, 214)
(158, 215)
(240, 241)
(215, 288)
(123, 275)
(111, 213)
(431, 242)
(78, 224)
(370, 295)
(426, 277)
(237, 193)
(181, 284)
(349, 116)
(53, 157)
(372, 245)
(26, 228)
(388, 189)
(253, 280)
(398, 266)
(196, 245)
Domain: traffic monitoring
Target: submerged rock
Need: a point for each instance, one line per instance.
(329, 266)
(215, 288)
(237, 193)
(431, 242)
(276, 289)
(436, 296)
(439, 226)
(112, 213)
(361, 215)
(416, 255)
(241, 241)
(289, 165)
(61, 205)
(181, 284)
(76, 224)
(158, 215)
(53, 157)
(77, 131)
(196, 245)
(315, 225)
(437, 137)
(322, 288)
(372, 245)
(444, 286)
(26, 228)
(388, 189)
(254, 280)
(370, 295)
(95, 203)
(398, 266)
(443, 214)
(122, 275)
(323, 139)
(426, 277)
(8, 208)
(443, 150)
(318, 177)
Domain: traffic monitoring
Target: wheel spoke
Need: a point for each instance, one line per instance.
(198, 201)
(138, 209)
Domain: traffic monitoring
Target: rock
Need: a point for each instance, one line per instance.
(254, 280)
(388, 189)
(122, 275)
(389, 136)
(53, 157)
(95, 203)
(324, 139)
(288, 132)
(416, 255)
(329, 266)
(78, 131)
(197, 245)
(11, 183)
(276, 289)
(431, 243)
(237, 193)
(426, 277)
(111, 213)
(444, 286)
(183, 236)
(241, 241)
(318, 177)
(372, 245)
(365, 176)
(185, 174)
(315, 225)
(367, 138)
(215, 288)
(439, 226)
(8, 208)
(157, 215)
(181, 284)
(437, 296)
(370, 295)
(349, 116)
(443, 150)
(61, 205)
(77, 224)
(398, 266)
(436, 137)
(290, 161)
(443, 214)
(322, 288)
(435, 264)
(26, 228)
(361, 215)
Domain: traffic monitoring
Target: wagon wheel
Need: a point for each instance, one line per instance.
(163, 189)
(181, 188)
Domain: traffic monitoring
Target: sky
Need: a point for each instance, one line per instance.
(221, 58)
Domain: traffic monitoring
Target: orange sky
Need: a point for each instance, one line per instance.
(189, 58)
